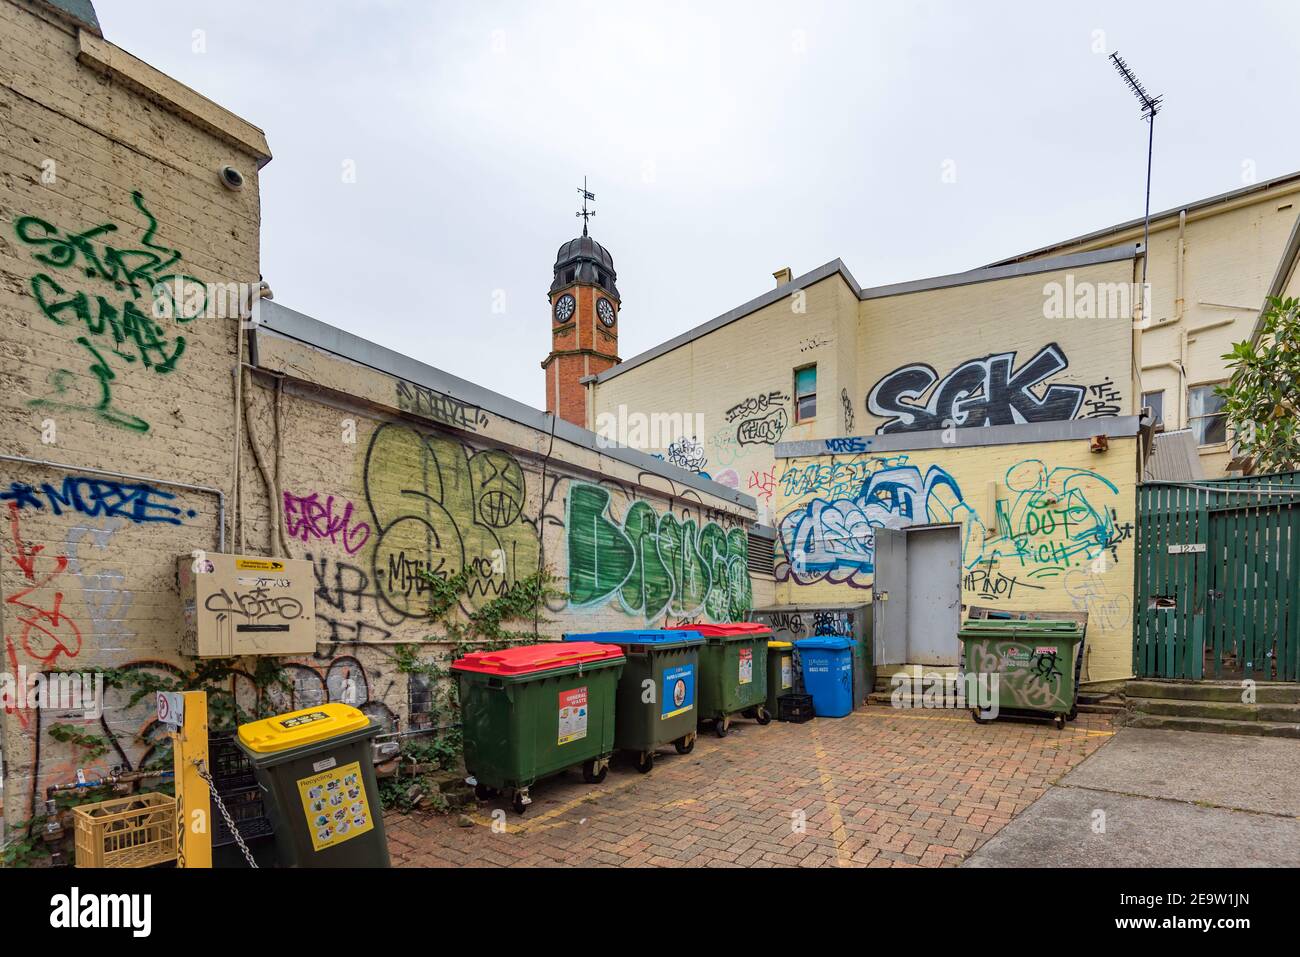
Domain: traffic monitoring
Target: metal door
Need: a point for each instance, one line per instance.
(889, 597)
(933, 595)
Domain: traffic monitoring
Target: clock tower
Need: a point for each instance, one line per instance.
(584, 311)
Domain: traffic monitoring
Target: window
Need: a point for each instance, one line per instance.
(600, 278)
(571, 275)
(805, 393)
(1205, 415)
(1155, 401)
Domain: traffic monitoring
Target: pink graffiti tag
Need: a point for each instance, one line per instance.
(306, 517)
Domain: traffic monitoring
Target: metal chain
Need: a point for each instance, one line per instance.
(221, 806)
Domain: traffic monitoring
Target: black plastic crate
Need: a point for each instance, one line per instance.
(229, 766)
(794, 707)
(249, 813)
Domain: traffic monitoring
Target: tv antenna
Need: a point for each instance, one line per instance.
(1150, 107)
(585, 213)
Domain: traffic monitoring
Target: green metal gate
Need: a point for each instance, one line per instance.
(1217, 579)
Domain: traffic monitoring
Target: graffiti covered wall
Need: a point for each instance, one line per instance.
(114, 230)
(1044, 526)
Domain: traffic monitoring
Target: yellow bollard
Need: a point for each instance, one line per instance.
(193, 799)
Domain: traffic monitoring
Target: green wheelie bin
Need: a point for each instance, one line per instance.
(320, 793)
(733, 672)
(780, 672)
(657, 692)
(533, 710)
(1035, 661)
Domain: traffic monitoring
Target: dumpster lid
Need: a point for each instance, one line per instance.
(301, 727)
(641, 636)
(733, 631)
(779, 644)
(526, 659)
(825, 643)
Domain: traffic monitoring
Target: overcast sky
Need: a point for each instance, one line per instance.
(722, 140)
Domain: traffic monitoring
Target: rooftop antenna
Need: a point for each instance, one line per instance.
(1150, 107)
(585, 213)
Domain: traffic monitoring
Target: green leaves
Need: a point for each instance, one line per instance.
(1260, 399)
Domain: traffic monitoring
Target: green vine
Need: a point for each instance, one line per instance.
(483, 629)
(95, 745)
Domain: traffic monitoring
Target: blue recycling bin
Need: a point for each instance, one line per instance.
(827, 667)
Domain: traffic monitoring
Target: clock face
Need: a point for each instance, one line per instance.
(605, 310)
(564, 308)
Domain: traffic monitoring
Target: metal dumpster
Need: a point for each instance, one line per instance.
(1036, 663)
(657, 691)
(534, 710)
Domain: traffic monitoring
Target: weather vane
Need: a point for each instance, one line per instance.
(585, 213)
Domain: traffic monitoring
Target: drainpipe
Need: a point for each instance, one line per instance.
(221, 496)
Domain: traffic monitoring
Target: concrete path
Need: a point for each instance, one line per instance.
(1163, 799)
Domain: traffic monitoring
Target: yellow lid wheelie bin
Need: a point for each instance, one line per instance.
(780, 672)
(320, 792)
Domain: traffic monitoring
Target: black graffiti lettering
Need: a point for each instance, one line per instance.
(987, 391)
(440, 407)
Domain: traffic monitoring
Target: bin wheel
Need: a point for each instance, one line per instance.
(763, 716)
(720, 727)
(645, 762)
(685, 744)
(518, 803)
(589, 773)
(975, 713)
(1059, 721)
(1074, 713)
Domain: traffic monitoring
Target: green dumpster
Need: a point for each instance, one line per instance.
(657, 692)
(320, 792)
(533, 710)
(733, 673)
(1035, 662)
(780, 672)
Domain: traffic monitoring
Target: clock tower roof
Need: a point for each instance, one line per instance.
(583, 260)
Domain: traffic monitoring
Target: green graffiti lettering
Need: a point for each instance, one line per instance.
(655, 563)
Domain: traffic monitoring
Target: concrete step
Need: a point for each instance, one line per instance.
(1271, 729)
(1224, 710)
(1228, 691)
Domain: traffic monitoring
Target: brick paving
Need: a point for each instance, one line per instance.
(879, 788)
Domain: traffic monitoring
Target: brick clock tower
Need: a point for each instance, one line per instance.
(584, 322)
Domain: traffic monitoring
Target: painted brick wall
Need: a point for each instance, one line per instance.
(1045, 526)
(106, 191)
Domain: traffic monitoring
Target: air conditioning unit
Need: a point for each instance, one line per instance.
(236, 605)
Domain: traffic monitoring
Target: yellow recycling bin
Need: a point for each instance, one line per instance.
(321, 793)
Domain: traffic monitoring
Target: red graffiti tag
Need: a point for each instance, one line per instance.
(45, 633)
(307, 517)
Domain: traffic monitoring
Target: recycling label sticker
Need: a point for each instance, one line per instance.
(573, 715)
(679, 691)
(335, 805)
(746, 665)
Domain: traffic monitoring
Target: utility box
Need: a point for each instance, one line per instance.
(236, 605)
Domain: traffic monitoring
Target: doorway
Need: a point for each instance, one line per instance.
(917, 594)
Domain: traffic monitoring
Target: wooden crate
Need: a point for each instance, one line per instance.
(136, 831)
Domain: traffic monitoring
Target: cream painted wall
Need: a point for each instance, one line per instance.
(1229, 254)
(1045, 527)
(740, 381)
(943, 329)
